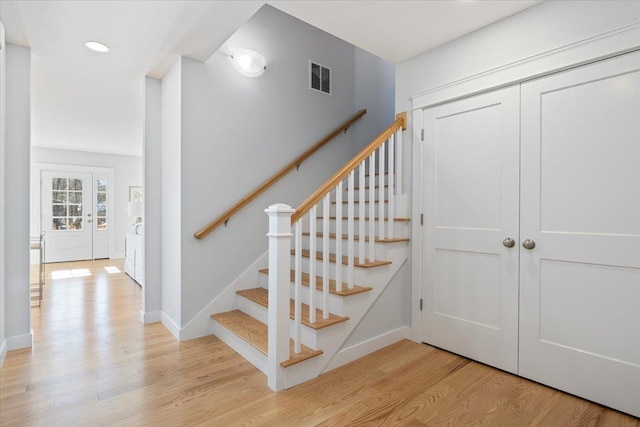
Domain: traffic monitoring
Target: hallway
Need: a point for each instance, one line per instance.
(93, 363)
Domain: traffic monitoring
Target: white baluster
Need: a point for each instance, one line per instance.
(326, 204)
(279, 279)
(391, 180)
(350, 237)
(297, 326)
(361, 211)
(313, 217)
(372, 207)
(339, 236)
(399, 160)
(381, 170)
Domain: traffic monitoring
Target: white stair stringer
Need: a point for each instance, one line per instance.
(331, 339)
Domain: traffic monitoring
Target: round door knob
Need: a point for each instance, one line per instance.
(509, 242)
(528, 244)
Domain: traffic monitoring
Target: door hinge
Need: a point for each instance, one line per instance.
(422, 134)
(420, 304)
(421, 219)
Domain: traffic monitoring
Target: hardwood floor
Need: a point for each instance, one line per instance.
(93, 363)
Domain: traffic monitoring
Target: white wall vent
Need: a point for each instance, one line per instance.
(319, 78)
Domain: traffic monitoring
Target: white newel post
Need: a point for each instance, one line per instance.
(279, 282)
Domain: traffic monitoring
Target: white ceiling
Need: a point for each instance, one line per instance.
(88, 101)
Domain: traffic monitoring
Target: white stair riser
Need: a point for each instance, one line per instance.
(380, 249)
(246, 350)
(356, 207)
(337, 303)
(356, 194)
(400, 228)
(367, 179)
(309, 336)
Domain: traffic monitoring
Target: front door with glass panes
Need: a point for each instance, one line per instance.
(67, 215)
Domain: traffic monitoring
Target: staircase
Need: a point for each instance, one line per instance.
(346, 246)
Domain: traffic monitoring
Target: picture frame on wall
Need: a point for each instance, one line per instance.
(135, 194)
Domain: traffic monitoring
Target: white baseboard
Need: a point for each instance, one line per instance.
(117, 256)
(20, 341)
(170, 325)
(3, 352)
(150, 317)
(364, 348)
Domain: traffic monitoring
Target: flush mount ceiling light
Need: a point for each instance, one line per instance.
(248, 62)
(97, 46)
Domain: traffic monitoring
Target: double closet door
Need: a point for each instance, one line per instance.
(532, 235)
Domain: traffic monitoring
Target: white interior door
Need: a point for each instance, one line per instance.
(471, 197)
(580, 285)
(67, 207)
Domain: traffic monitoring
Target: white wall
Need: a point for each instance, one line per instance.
(17, 173)
(546, 26)
(542, 28)
(152, 295)
(3, 180)
(236, 132)
(128, 172)
(171, 166)
(73, 112)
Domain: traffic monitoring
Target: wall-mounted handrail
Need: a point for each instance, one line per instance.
(222, 219)
(339, 176)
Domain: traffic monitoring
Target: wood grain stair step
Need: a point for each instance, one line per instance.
(256, 333)
(357, 238)
(357, 218)
(345, 292)
(261, 296)
(345, 259)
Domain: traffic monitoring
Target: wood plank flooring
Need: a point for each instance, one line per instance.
(94, 364)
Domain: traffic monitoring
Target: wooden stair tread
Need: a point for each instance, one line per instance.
(345, 259)
(256, 333)
(357, 238)
(345, 292)
(261, 296)
(357, 218)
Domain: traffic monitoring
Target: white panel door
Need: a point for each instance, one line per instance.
(580, 204)
(67, 206)
(471, 190)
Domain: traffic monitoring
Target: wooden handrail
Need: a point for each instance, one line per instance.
(313, 199)
(222, 219)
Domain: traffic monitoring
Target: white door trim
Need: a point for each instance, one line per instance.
(605, 45)
(36, 196)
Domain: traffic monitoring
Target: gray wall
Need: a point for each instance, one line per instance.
(375, 89)
(17, 173)
(152, 301)
(128, 172)
(171, 166)
(236, 132)
(3, 180)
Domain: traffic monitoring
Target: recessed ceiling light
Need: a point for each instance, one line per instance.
(97, 46)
